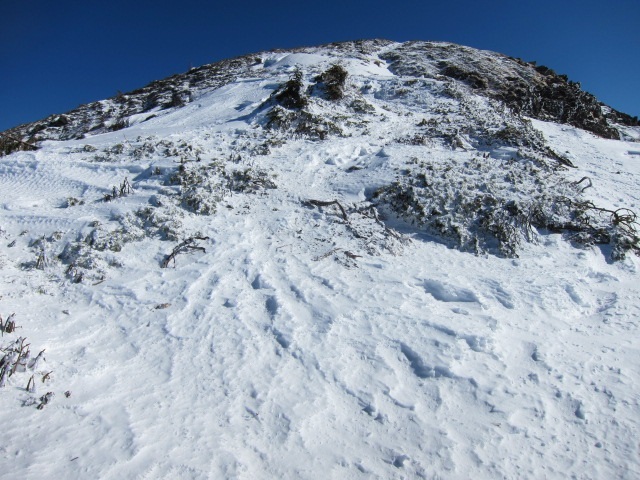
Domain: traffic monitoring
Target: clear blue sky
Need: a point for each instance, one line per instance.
(56, 55)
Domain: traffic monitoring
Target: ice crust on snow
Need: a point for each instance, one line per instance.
(295, 343)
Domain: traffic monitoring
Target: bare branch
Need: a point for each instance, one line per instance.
(320, 203)
(183, 247)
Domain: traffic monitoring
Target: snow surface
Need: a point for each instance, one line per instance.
(274, 353)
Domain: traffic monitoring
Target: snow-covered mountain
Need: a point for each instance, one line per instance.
(360, 260)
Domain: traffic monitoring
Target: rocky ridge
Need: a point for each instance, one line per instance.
(524, 87)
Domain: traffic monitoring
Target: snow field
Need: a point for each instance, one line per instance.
(274, 354)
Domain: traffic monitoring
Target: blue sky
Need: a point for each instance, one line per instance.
(57, 55)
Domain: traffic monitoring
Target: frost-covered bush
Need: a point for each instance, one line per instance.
(249, 181)
(360, 105)
(487, 205)
(204, 186)
(92, 254)
(15, 356)
(163, 221)
(292, 114)
(301, 123)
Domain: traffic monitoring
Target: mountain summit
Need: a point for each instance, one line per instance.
(360, 260)
(523, 87)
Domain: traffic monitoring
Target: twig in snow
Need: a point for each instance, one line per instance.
(123, 190)
(320, 203)
(329, 253)
(31, 384)
(22, 355)
(45, 399)
(582, 180)
(183, 247)
(33, 365)
(8, 326)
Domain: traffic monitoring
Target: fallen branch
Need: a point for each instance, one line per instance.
(582, 180)
(374, 214)
(330, 252)
(352, 256)
(320, 203)
(183, 247)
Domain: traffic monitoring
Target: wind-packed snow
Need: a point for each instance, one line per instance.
(296, 343)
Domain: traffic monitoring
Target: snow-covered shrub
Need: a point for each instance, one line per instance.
(15, 356)
(202, 186)
(291, 95)
(360, 105)
(163, 221)
(249, 180)
(292, 113)
(332, 82)
(301, 123)
(15, 359)
(595, 225)
(119, 124)
(120, 191)
(487, 205)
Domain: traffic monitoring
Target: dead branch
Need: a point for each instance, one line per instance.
(33, 365)
(183, 247)
(321, 203)
(125, 188)
(329, 253)
(22, 355)
(9, 325)
(589, 185)
(45, 399)
(31, 384)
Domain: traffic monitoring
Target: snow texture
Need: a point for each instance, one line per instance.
(302, 329)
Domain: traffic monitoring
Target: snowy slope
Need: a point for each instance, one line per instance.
(298, 340)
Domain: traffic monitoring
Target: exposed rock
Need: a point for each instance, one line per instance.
(526, 88)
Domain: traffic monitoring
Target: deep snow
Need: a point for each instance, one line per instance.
(300, 345)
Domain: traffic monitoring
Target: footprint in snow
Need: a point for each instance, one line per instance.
(444, 292)
(420, 369)
(500, 294)
(272, 305)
